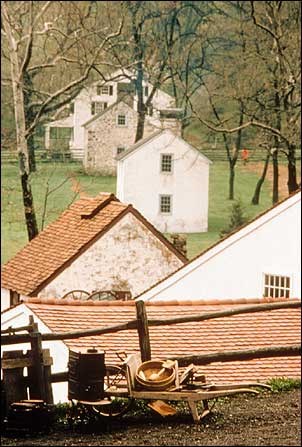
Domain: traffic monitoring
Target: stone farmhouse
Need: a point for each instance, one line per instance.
(247, 331)
(96, 98)
(167, 180)
(109, 133)
(97, 244)
(261, 259)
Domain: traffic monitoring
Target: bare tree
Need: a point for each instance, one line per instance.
(52, 48)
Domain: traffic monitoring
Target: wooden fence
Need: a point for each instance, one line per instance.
(38, 360)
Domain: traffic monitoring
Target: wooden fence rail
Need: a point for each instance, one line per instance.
(40, 378)
(133, 324)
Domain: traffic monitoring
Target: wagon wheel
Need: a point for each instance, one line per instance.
(76, 295)
(115, 380)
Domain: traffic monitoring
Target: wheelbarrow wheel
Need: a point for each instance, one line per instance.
(115, 380)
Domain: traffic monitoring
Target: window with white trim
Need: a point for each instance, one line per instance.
(98, 107)
(166, 162)
(276, 286)
(165, 204)
(121, 120)
(104, 90)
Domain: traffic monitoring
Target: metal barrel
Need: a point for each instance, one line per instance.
(86, 372)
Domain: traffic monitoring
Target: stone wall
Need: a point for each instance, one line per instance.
(104, 136)
(128, 257)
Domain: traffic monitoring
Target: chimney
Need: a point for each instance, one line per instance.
(180, 243)
(171, 119)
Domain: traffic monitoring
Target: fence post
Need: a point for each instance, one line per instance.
(143, 331)
(36, 372)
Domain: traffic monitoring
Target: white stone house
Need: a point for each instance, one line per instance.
(96, 98)
(261, 259)
(167, 180)
(97, 244)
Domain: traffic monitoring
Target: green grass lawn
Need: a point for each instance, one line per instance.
(56, 178)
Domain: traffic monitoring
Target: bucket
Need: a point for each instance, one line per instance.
(146, 369)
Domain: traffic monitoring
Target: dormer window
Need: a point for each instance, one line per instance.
(98, 107)
(166, 163)
(104, 90)
(121, 119)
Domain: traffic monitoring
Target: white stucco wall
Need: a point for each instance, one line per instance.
(235, 268)
(19, 316)
(5, 300)
(188, 184)
(127, 257)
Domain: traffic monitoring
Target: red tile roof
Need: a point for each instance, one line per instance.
(63, 240)
(280, 327)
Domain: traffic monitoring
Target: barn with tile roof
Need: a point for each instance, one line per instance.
(273, 328)
(96, 244)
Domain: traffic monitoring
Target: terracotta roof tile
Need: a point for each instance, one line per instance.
(60, 242)
(280, 327)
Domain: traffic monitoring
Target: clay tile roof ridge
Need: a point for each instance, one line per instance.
(197, 302)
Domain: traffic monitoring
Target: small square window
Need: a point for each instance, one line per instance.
(276, 286)
(166, 162)
(120, 149)
(121, 120)
(165, 204)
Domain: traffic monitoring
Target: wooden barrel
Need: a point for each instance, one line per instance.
(86, 370)
(153, 367)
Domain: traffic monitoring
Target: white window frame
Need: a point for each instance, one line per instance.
(276, 286)
(99, 107)
(103, 90)
(162, 162)
(117, 120)
(161, 197)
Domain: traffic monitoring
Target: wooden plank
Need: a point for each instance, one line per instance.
(132, 363)
(185, 395)
(185, 375)
(13, 380)
(226, 313)
(25, 360)
(143, 331)
(229, 356)
(194, 411)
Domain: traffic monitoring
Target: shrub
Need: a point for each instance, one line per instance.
(279, 384)
(237, 218)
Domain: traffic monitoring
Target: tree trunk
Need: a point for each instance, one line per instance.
(292, 183)
(29, 212)
(231, 181)
(256, 196)
(20, 122)
(29, 118)
(275, 177)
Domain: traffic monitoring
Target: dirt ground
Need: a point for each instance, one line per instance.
(283, 176)
(267, 419)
